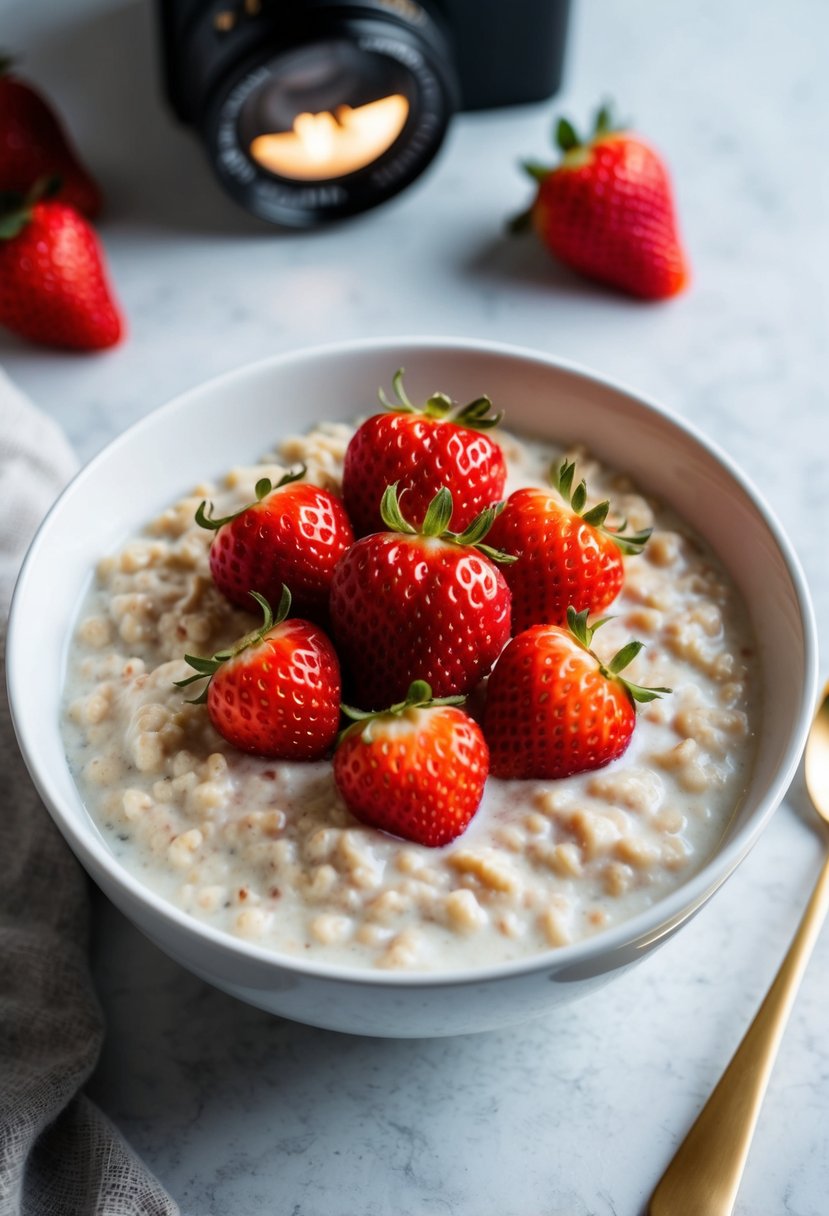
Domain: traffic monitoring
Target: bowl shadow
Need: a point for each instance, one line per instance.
(213, 1092)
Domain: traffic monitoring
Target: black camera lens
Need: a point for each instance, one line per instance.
(325, 112)
(313, 110)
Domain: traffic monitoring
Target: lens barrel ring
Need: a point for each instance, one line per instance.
(417, 46)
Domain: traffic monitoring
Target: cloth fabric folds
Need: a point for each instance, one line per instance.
(59, 1155)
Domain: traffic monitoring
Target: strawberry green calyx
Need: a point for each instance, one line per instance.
(16, 209)
(568, 140)
(562, 481)
(575, 152)
(206, 668)
(204, 514)
(436, 523)
(583, 634)
(13, 220)
(476, 415)
(419, 696)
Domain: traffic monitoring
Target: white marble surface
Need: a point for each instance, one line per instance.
(577, 1114)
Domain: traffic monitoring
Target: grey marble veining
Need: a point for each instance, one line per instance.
(577, 1114)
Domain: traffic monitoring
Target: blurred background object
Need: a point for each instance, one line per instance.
(34, 145)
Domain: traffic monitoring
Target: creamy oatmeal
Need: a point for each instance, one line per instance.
(267, 850)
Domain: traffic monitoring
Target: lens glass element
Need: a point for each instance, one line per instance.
(326, 110)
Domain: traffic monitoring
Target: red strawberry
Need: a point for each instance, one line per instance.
(295, 533)
(607, 209)
(422, 450)
(428, 604)
(53, 285)
(416, 770)
(34, 145)
(566, 555)
(554, 709)
(277, 691)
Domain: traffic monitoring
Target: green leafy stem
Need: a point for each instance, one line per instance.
(264, 487)
(475, 415)
(436, 522)
(419, 696)
(630, 543)
(583, 634)
(206, 668)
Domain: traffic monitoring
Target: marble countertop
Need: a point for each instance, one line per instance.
(576, 1114)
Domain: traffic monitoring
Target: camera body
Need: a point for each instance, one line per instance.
(241, 71)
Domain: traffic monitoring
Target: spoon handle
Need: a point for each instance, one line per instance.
(704, 1175)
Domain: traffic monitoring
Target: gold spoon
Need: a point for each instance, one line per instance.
(704, 1175)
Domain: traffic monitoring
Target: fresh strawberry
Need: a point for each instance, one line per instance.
(607, 210)
(553, 708)
(34, 145)
(422, 450)
(416, 770)
(295, 533)
(53, 285)
(566, 554)
(276, 692)
(411, 604)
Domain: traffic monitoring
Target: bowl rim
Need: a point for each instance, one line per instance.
(637, 931)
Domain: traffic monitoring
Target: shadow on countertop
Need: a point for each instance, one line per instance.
(235, 1109)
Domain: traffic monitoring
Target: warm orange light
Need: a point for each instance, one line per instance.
(331, 145)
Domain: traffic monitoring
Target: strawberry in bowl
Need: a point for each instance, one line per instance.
(276, 691)
(421, 449)
(293, 534)
(565, 555)
(421, 602)
(553, 708)
(416, 770)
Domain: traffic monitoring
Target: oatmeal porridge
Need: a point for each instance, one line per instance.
(268, 851)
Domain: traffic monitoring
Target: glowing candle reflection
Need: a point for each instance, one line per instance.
(330, 145)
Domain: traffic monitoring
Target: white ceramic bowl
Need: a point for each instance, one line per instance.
(235, 418)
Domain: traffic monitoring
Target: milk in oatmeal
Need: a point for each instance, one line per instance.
(266, 849)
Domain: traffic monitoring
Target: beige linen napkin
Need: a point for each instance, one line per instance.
(59, 1156)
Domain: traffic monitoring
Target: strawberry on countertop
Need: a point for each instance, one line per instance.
(53, 285)
(294, 534)
(607, 210)
(566, 554)
(277, 691)
(422, 449)
(417, 769)
(554, 708)
(425, 603)
(34, 145)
